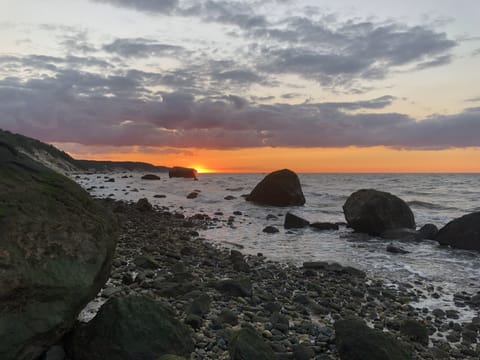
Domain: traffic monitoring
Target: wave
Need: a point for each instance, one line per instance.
(427, 205)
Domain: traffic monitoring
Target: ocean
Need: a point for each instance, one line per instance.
(433, 198)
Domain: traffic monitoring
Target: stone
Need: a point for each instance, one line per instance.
(144, 205)
(235, 287)
(228, 317)
(247, 344)
(279, 188)
(303, 352)
(373, 212)
(415, 331)
(182, 172)
(396, 250)
(56, 249)
(229, 197)
(356, 341)
(150, 177)
(270, 230)
(131, 327)
(200, 306)
(146, 262)
(294, 222)
(324, 226)
(461, 233)
(192, 195)
(427, 232)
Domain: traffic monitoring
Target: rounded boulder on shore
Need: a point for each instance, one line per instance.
(461, 233)
(374, 212)
(279, 188)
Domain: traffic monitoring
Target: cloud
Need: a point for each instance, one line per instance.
(91, 109)
(141, 48)
(151, 6)
(340, 53)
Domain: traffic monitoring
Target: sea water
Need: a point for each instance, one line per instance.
(433, 198)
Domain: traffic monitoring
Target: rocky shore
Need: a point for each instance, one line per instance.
(238, 306)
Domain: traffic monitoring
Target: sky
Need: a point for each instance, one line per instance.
(248, 86)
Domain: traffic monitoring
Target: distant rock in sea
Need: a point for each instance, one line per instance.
(461, 233)
(150, 177)
(182, 172)
(279, 188)
(294, 222)
(374, 212)
(56, 246)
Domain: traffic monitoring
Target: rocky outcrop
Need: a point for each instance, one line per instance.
(182, 172)
(279, 188)
(56, 246)
(132, 327)
(374, 212)
(461, 233)
(356, 341)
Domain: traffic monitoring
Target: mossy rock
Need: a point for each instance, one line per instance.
(356, 341)
(56, 247)
(247, 344)
(415, 331)
(132, 327)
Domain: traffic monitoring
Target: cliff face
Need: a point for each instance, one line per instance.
(61, 162)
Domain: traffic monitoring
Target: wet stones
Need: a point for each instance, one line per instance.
(415, 331)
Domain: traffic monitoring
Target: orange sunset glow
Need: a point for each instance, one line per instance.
(331, 160)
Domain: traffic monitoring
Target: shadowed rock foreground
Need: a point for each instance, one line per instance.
(56, 247)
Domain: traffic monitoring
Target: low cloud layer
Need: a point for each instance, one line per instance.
(73, 107)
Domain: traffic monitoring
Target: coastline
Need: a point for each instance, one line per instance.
(291, 307)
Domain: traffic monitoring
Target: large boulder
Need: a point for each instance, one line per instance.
(279, 188)
(247, 344)
(131, 327)
(356, 341)
(461, 233)
(182, 172)
(374, 212)
(56, 247)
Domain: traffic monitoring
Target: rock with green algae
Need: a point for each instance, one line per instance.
(56, 247)
(247, 344)
(356, 341)
(131, 327)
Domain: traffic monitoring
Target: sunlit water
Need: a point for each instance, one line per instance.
(434, 198)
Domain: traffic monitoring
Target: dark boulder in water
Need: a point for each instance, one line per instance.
(356, 341)
(324, 226)
(270, 230)
(373, 212)
(279, 188)
(182, 172)
(56, 248)
(131, 328)
(461, 233)
(294, 222)
(427, 232)
(150, 177)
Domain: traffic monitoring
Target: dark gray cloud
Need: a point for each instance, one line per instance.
(92, 109)
(153, 6)
(337, 54)
(141, 48)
